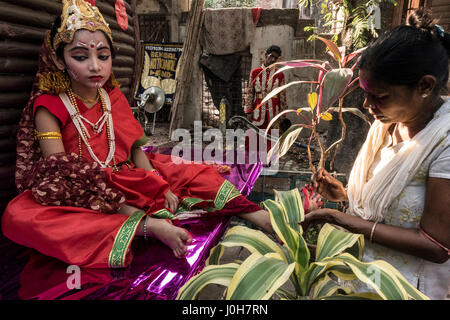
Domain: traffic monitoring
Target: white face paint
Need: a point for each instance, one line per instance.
(82, 44)
(73, 74)
(88, 62)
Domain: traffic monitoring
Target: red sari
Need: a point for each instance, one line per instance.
(90, 238)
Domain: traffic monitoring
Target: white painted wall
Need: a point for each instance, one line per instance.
(281, 36)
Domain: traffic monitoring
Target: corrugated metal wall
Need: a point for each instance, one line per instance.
(23, 24)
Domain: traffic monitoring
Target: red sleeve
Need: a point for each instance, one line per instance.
(54, 105)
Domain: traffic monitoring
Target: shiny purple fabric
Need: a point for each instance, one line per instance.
(154, 273)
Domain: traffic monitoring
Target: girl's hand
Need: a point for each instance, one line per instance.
(171, 201)
(328, 186)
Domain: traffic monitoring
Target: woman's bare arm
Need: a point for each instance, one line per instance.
(435, 221)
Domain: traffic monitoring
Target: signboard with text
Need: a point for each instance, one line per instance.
(159, 66)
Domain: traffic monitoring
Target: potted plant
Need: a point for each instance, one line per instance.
(333, 84)
(269, 266)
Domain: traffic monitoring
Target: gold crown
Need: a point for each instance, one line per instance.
(76, 15)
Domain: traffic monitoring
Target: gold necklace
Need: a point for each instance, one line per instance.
(95, 100)
(75, 105)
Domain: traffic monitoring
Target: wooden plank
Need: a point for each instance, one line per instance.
(137, 56)
(124, 61)
(50, 6)
(8, 184)
(18, 65)
(11, 116)
(121, 37)
(8, 130)
(8, 157)
(19, 15)
(124, 49)
(186, 63)
(7, 171)
(436, 3)
(124, 82)
(19, 32)
(19, 49)
(8, 99)
(16, 82)
(8, 143)
(123, 72)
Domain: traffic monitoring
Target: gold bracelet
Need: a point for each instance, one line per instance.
(40, 135)
(373, 229)
(50, 138)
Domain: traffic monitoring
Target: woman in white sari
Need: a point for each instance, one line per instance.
(399, 188)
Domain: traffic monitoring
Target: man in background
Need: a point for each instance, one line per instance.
(262, 81)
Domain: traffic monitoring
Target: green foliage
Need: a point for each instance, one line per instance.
(357, 16)
(338, 256)
(229, 3)
(332, 85)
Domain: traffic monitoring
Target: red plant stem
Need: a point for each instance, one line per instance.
(311, 166)
(322, 149)
(338, 143)
(309, 121)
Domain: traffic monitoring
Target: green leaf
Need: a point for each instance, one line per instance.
(327, 287)
(318, 270)
(276, 91)
(258, 278)
(285, 142)
(221, 274)
(215, 255)
(382, 277)
(292, 238)
(293, 206)
(332, 242)
(284, 294)
(274, 119)
(355, 111)
(334, 84)
(354, 296)
(335, 53)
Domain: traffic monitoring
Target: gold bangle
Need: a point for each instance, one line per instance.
(50, 138)
(373, 229)
(40, 135)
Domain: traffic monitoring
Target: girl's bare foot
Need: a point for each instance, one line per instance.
(174, 237)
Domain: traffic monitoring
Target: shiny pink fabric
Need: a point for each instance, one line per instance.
(154, 272)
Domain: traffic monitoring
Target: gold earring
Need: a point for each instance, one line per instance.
(424, 95)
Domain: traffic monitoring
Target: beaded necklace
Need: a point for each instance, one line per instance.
(83, 134)
(95, 100)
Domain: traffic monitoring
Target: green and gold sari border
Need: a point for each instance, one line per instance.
(226, 193)
(123, 240)
(163, 214)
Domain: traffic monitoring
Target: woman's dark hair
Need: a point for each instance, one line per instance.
(60, 50)
(273, 48)
(405, 54)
